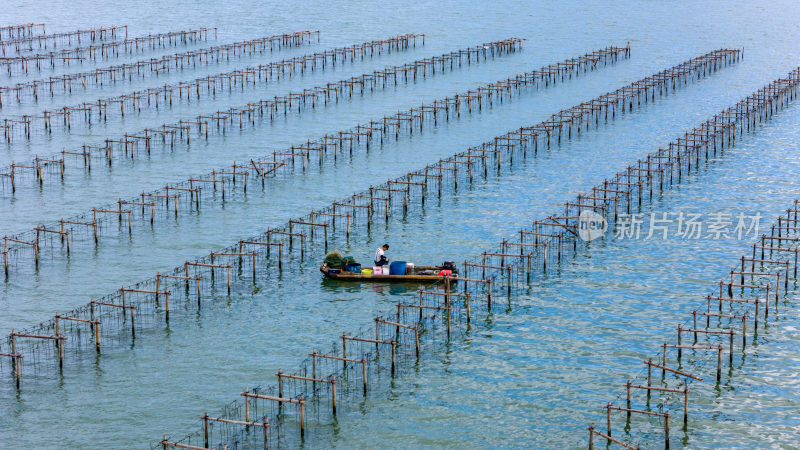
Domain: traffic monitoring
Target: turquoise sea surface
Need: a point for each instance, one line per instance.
(533, 373)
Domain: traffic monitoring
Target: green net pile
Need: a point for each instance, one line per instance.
(334, 260)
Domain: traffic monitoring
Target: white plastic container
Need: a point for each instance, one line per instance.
(409, 268)
(377, 270)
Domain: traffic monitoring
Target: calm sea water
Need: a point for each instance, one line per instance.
(531, 375)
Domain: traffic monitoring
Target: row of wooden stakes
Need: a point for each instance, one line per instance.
(667, 164)
(20, 31)
(248, 114)
(105, 50)
(22, 44)
(103, 76)
(208, 85)
(660, 169)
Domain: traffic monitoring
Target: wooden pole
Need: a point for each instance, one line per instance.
(247, 404)
(333, 393)
(205, 428)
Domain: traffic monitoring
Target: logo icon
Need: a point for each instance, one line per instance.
(591, 225)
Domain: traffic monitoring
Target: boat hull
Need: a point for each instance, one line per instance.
(413, 278)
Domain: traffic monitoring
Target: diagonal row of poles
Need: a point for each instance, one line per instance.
(251, 76)
(105, 50)
(142, 68)
(131, 144)
(26, 43)
(776, 255)
(761, 275)
(255, 112)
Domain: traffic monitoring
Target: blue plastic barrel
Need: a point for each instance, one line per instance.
(352, 267)
(397, 268)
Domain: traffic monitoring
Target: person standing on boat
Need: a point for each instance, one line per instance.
(380, 258)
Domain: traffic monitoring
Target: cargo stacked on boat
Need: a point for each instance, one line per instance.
(337, 267)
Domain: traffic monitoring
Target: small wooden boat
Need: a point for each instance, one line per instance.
(423, 274)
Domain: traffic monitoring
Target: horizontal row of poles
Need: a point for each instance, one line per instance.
(745, 296)
(104, 50)
(252, 76)
(142, 68)
(188, 194)
(359, 209)
(53, 40)
(20, 31)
